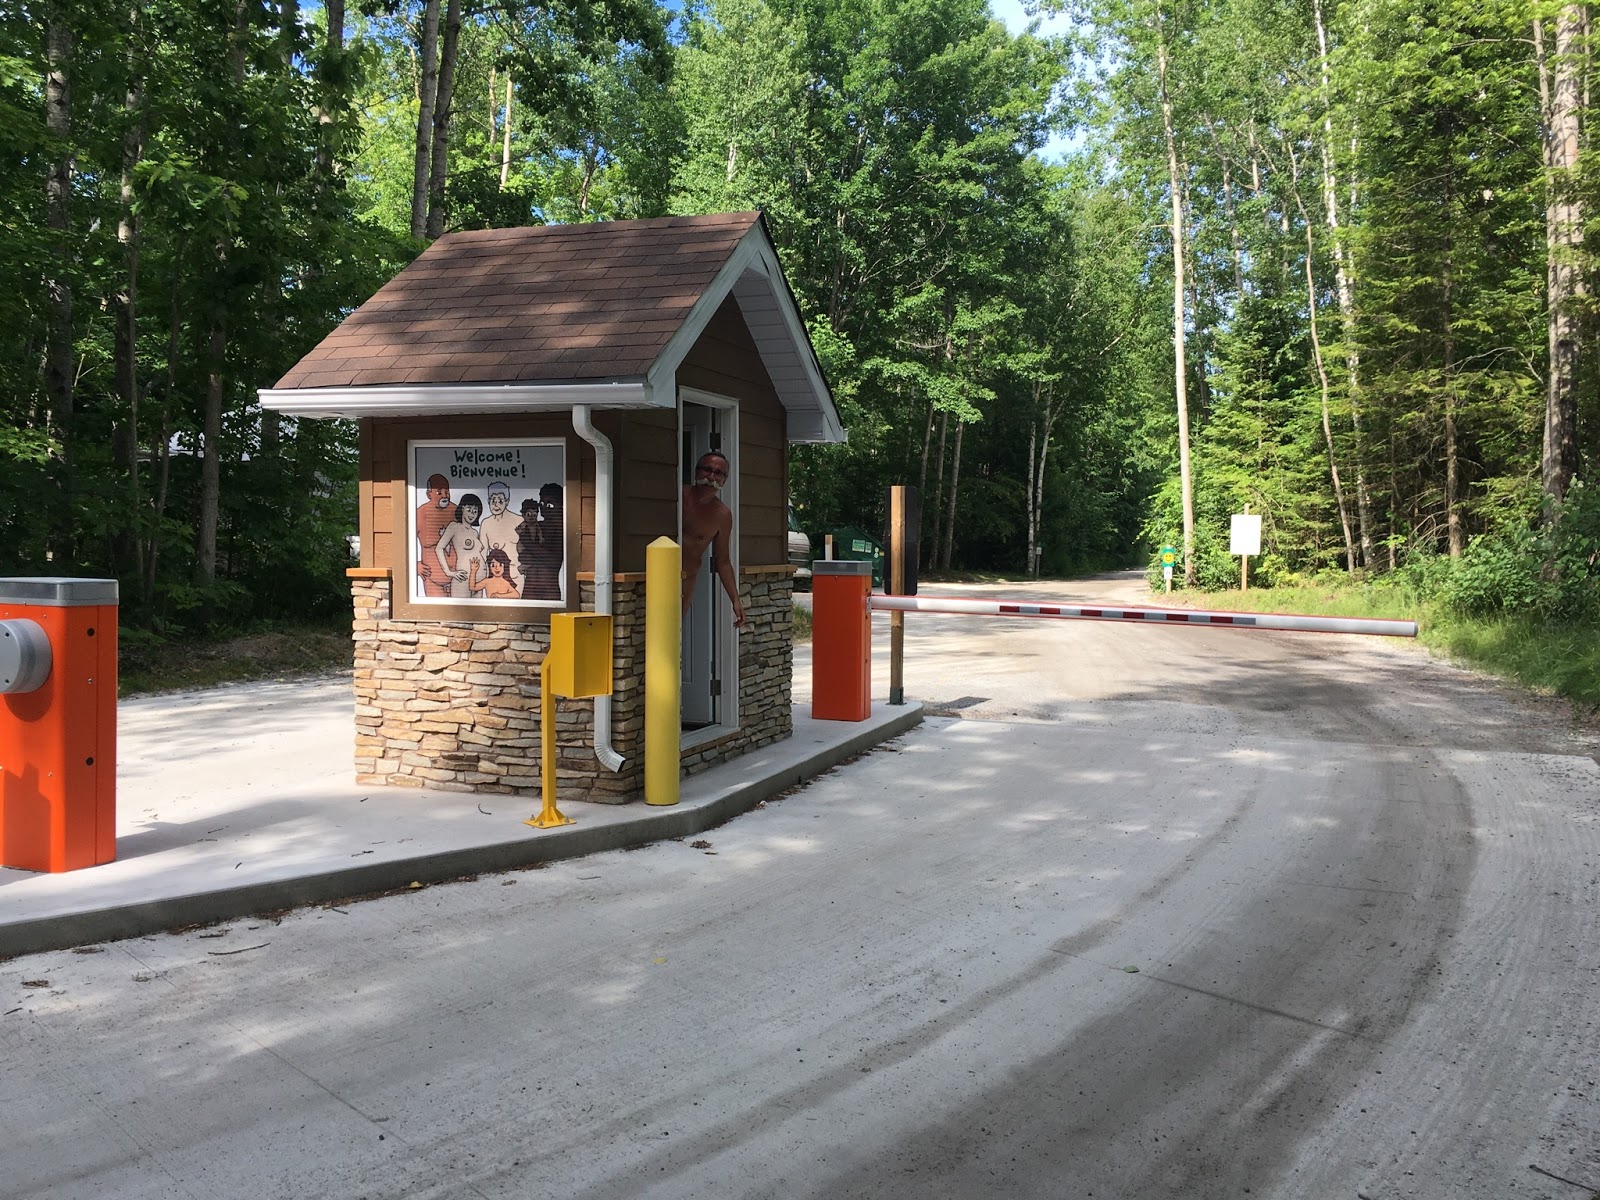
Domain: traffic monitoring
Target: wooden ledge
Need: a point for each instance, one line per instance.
(639, 576)
(366, 573)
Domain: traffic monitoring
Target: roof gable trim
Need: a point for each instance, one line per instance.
(811, 416)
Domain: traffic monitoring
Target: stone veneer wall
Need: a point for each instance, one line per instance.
(454, 705)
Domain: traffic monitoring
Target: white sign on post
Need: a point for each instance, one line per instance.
(1244, 534)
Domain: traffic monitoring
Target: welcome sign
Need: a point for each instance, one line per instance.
(487, 522)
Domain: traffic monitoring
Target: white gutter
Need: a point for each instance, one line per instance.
(434, 399)
(603, 749)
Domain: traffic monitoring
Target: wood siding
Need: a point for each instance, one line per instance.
(725, 361)
(646, 483)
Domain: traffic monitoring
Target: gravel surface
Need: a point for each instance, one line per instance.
(1150, 912)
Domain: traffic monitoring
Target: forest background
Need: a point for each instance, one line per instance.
(1330, 259)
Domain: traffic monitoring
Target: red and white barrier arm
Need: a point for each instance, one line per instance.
(1159, 616)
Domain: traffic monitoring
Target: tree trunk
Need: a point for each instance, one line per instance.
(161, 443)
(58, 367)
(329, 93)
(927, 441)
(505, 142)
(216, 353)
(426, 94)
(125, 308)
(1033, 515)
(211, 463)
(1452, 457)
(936, 508)
(1559, 99)
(1179, 370)
(1343, 275)
(950, 512)
(1203, 335)
(443, 102)
(1231, 213)
(1396, 505)
(1320, 363)
(591, 165)
(1036, 472)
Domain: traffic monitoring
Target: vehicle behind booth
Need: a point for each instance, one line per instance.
(799, 552)
(851, 544)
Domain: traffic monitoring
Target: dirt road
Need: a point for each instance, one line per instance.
(1150, 912)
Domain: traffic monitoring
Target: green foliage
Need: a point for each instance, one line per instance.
(1498, 574)
(1549, 572)
(207, 248)
(1561, 659)
(995, 331)
(150, 662)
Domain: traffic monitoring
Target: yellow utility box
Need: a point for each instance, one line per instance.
(580, 655)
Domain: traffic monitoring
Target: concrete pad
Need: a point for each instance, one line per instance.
(241, 800)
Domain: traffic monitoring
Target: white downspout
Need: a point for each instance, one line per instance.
(603, 749)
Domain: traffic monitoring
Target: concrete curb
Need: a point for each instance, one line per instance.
(720, 803)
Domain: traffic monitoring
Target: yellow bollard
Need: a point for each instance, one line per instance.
(549, 816)
(663, 701)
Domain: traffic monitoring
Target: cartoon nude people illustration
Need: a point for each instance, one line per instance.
(540, 548)
(496, 585)
(500, 527)
(432, 518)
(460, 547)
(471, 497)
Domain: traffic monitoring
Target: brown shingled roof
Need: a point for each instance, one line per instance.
(546, 304)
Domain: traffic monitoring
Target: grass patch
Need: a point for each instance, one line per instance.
(970, 577)
(1547, 659)
(802, 624)
(1564, 662)
(147, 663)
(1320, 601)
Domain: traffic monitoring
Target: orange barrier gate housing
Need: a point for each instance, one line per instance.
(58, 735)
(841, 640)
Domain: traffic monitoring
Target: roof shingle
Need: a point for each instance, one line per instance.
(549, 303)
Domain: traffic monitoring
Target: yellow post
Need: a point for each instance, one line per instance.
(663, 701)
(549, 816)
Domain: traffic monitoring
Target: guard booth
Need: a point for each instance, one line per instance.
(531, 404)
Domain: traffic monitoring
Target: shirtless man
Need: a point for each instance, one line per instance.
(707, 521)
(432, 517)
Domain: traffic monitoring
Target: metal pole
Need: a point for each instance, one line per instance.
(897, 587)
(1151, 616)
(549, 815)
(663, 672)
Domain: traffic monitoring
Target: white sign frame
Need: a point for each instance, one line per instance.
(533, 570)
(1244, 534)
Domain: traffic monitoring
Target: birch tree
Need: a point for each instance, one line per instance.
(1561, 76)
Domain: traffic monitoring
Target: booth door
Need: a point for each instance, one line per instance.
(708, 658)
